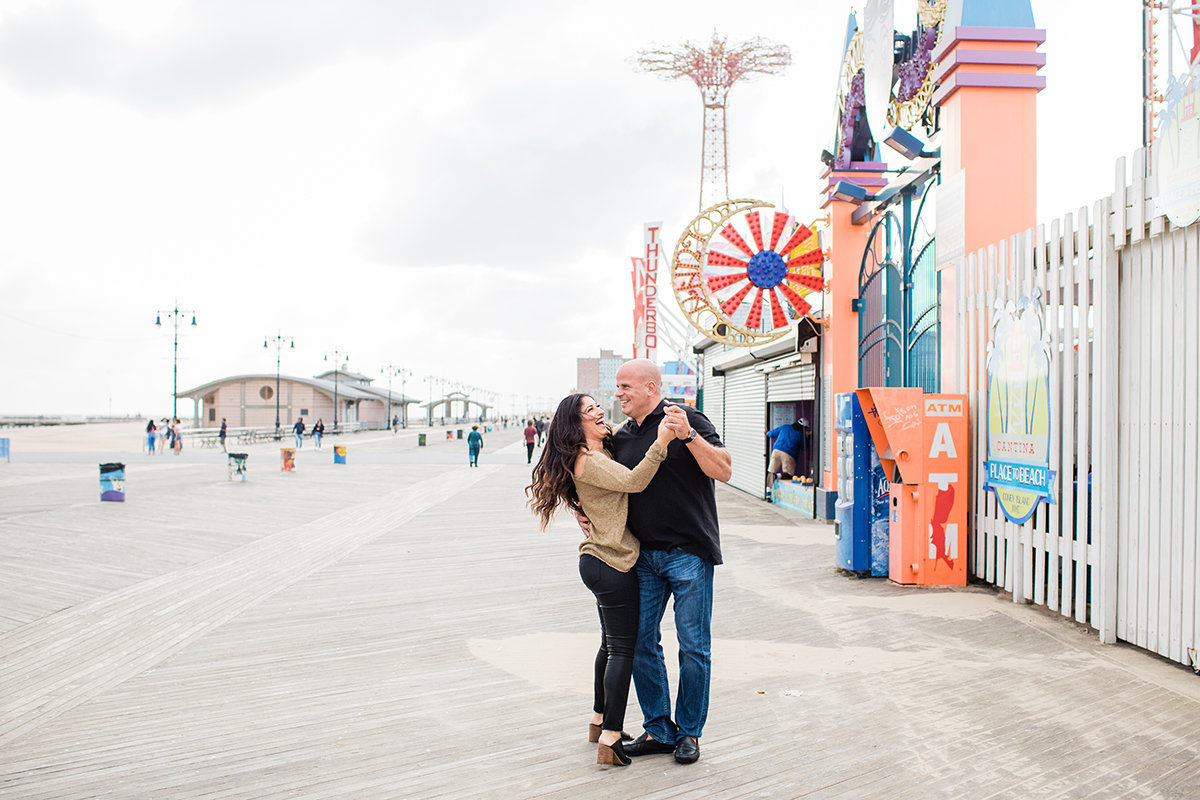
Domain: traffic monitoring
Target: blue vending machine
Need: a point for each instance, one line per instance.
(861, 511)
(851, 524)
(877, 513)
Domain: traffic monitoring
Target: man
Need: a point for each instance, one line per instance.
(298, 429)
(675, 518)
(789, 441)
(222, 434)
(541, 429)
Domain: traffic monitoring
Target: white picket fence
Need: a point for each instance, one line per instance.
(1119, 287)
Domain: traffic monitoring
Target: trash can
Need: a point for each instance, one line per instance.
(459, 436)
(922, 441)
(289, 459)
(339, 454)
(420, 440)
(5, 450)
(112, 482)
(237, 466)
(449, 434)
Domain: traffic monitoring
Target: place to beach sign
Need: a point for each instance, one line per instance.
(1018, 409)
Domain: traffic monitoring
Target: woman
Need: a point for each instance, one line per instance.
(319, 431)
(530, 438)
(151, 435)
(577, 470)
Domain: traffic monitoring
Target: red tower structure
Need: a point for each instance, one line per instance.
(714, 71)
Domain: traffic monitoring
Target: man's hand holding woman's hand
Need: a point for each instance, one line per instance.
(676, 420)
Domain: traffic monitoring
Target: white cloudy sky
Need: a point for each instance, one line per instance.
(451, 186)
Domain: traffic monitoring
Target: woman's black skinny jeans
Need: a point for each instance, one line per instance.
(617, 600)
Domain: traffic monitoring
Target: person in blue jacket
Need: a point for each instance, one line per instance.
(789, 441)
(474, 445)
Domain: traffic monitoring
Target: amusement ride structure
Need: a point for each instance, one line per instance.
(715, 71)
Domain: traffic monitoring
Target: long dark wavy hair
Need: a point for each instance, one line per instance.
(553, 476)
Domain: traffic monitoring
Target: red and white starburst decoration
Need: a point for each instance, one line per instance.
(779, 270)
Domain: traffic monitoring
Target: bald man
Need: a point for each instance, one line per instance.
(675, 519)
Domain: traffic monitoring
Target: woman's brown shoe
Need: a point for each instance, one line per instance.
(613, 755)
(594, 733)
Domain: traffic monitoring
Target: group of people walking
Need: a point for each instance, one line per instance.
(164, 435)
(318, 431)
(644, 498)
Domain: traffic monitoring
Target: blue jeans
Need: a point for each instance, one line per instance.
(689, 578)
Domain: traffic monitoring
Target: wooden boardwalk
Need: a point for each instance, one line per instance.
(397, 627)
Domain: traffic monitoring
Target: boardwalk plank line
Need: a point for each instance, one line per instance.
(53, 665)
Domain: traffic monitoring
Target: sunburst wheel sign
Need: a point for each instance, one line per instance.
(759, 267)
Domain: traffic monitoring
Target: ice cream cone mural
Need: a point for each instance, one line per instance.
(1018, 410)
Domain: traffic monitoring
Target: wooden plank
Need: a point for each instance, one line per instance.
(1175, 263)
(1125, 290)
(1191, 449)
(1066, 466)
(1083, 373)
(1105, 498)
(1141, 439)
(991, 271)
(1118, 226)
(1154, 474)
(969, 339)
(1054, 323)
(1020, 248)
(1137, 198)
(1038, 522)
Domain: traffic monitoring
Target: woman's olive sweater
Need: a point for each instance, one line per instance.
(604, 487)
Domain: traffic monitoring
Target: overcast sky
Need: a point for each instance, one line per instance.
(452, 187)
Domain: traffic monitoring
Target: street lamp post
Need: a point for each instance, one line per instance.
(174, 314)
(338, 357)
(279, 339)
(390, 370)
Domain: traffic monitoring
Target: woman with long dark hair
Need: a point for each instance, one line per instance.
(577, 470)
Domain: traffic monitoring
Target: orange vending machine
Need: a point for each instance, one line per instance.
(922, 443)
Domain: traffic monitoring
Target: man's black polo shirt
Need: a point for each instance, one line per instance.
(679, 507)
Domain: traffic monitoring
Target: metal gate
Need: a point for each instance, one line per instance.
(898, 324)
(745, 425)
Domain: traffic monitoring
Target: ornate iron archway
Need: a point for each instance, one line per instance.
(898, 325)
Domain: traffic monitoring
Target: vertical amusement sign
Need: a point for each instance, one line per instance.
(1018, 409)
(645, 295)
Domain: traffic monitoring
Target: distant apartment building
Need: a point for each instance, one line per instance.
(598, 376)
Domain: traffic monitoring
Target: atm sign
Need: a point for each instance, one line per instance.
(943, 408)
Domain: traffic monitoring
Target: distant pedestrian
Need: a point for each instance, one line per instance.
(165, 439)
(318, 431)
(474, 445)
(531, 434)
(221, 435)
(298, 429)
(395, 424)
(540, 425)
(177, 436)
(151, 436)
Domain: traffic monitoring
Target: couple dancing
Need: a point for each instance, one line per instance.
(645, 501)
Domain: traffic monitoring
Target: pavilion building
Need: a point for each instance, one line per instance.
(251, 401)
